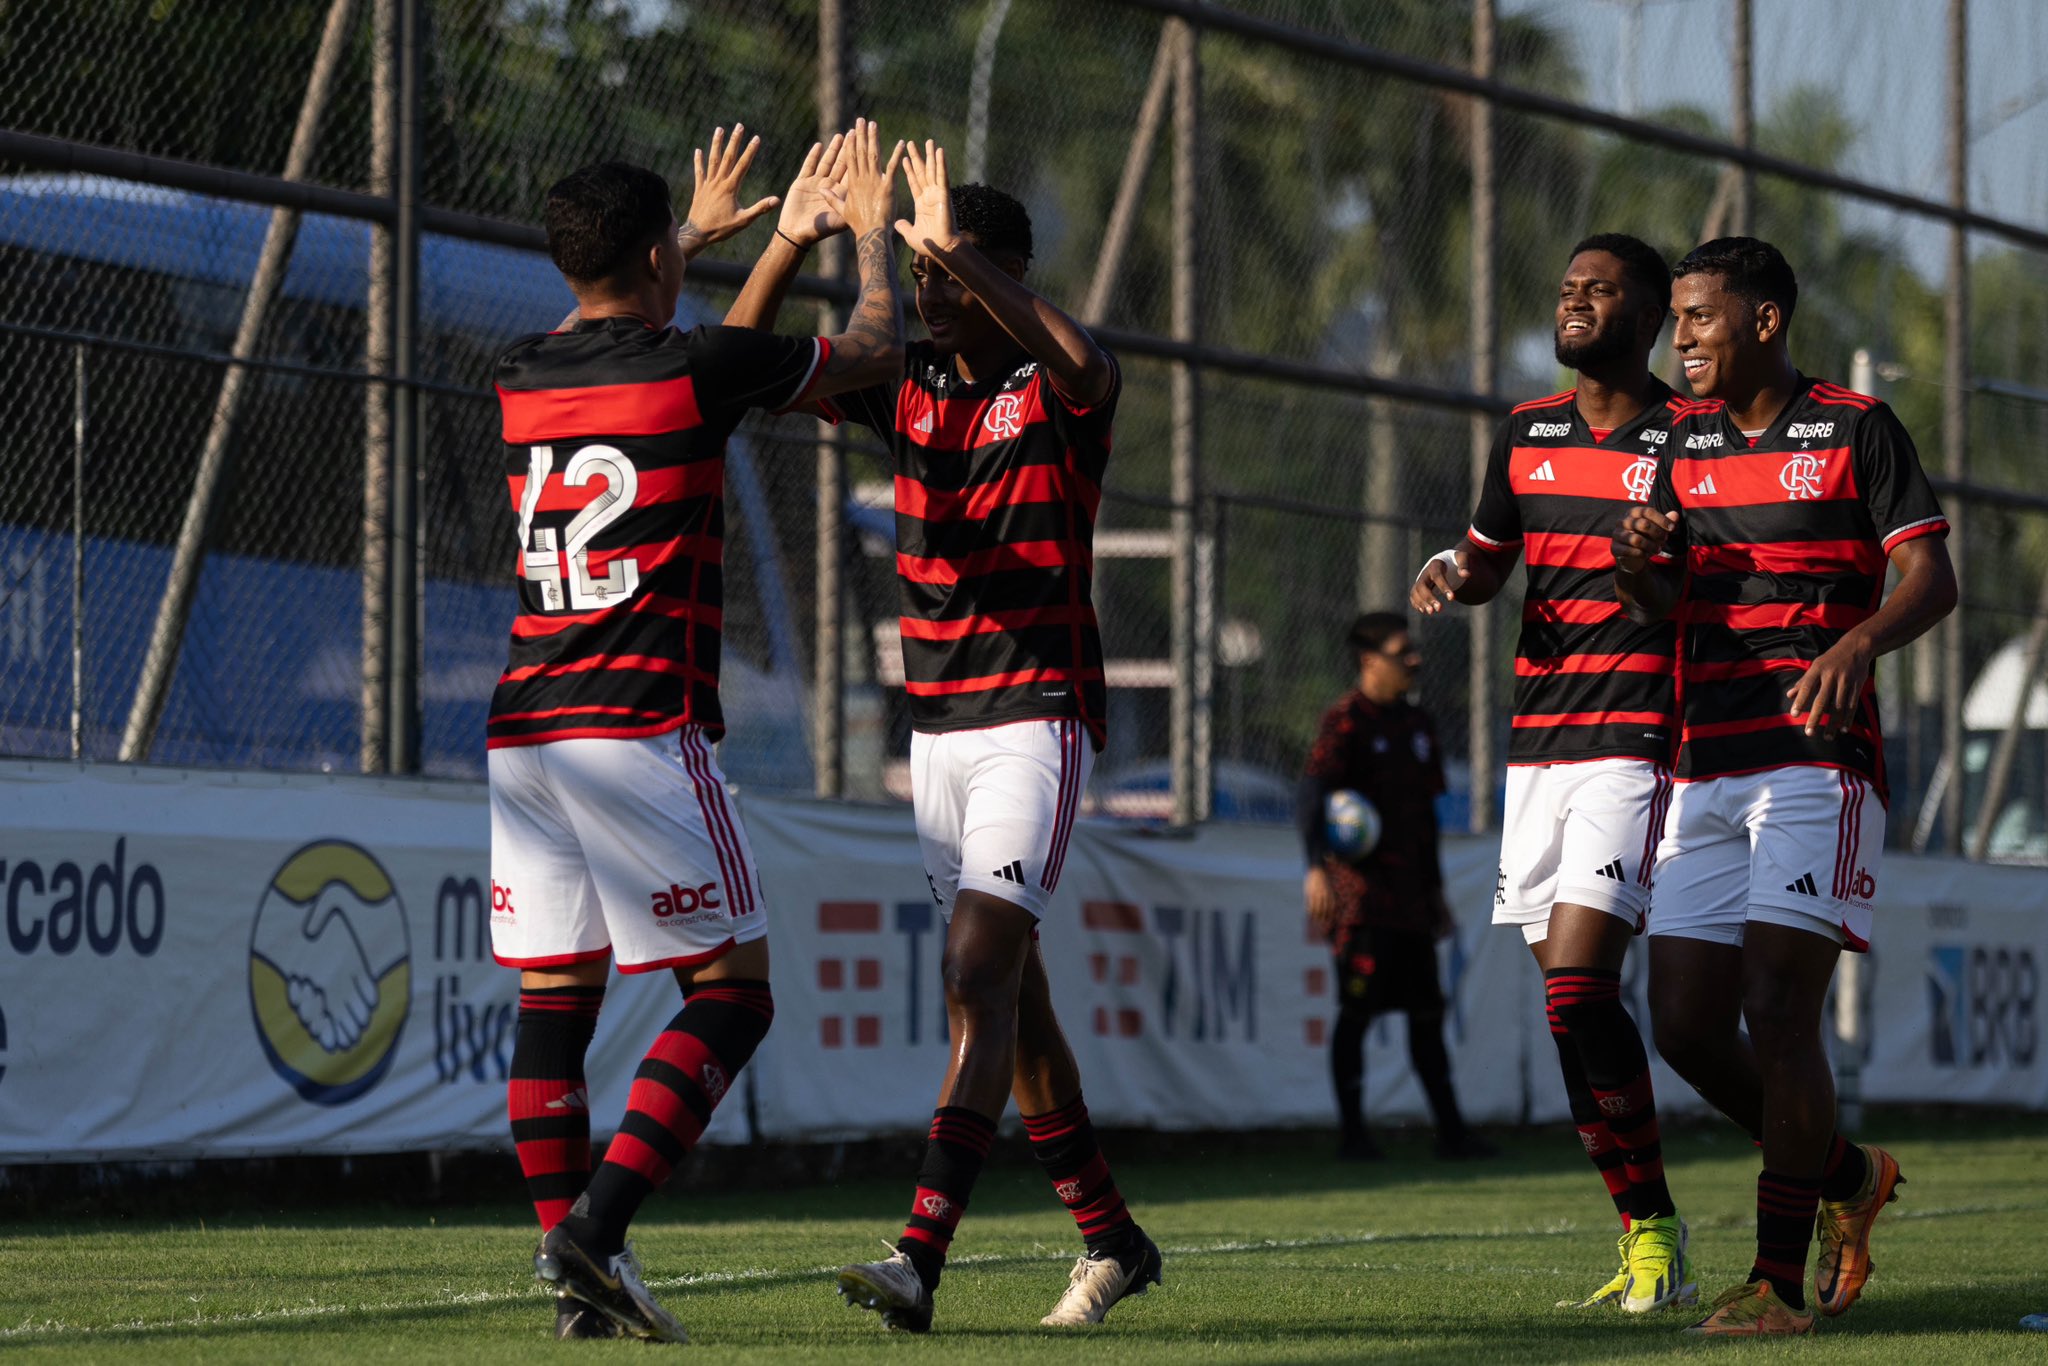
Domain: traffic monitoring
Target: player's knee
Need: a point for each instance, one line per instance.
(1778, 1015)
(1683, 1040)
(979, 987)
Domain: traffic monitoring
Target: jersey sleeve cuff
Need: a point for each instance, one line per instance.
(820, 354)
(1480, 538)
(1912, 531)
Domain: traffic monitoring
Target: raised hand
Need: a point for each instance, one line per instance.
(715, 212)
(807, 217)
(864, 193)
(930, 229)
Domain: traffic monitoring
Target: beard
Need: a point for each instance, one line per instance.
(1597, 349)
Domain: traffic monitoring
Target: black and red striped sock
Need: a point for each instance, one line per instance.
(1588, 1001)
(1785, 1207)
(1063, 1141)
(546, 1099)
(690, 1068)
(1594, 1136)
(1846, 1168)
(953, 1158)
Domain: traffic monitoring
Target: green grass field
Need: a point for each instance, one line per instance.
(1273, 1253)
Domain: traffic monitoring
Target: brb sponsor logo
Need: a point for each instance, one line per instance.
(1704, 441)
(1550, 429)
(1982, 1003)
(330, 972)
(1801, 478)
(1810, 431)
(1638, 478)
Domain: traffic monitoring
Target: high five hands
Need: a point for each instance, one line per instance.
(715, 213)
(861, 197)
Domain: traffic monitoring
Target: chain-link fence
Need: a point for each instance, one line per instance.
(1322, 237)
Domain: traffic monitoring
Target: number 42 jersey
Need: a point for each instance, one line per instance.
(615, 439)
(1589, 683)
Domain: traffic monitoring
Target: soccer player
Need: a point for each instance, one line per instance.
(611, 836)
(1000, 430)
(1589, 758)
(1783, 503)
(1384, 914)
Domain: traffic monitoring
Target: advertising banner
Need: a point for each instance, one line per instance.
(230, 964)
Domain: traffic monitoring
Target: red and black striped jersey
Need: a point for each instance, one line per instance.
(1785, 539)
(615, 439)
(997, 485)
(1589, 683)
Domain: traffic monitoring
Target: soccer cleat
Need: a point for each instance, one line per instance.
(1659, 1274)
(1843, 1230)
(1752, 1310)
(1609, 1293)
(575, 1319)
(893, 1289)
(1099, 1280)
(611, 1285)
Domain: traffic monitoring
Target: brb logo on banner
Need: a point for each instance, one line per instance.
(330, 972)
(1982, 1005)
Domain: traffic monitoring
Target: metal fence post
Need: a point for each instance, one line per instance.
(78, 429)
(1485, 357)
(404, 598)
(1187, 422)
(1743, 124)
(167, 632)
(1955, 418)
(828, 700)
(374, 740)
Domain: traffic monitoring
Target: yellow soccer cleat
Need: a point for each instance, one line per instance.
(1843, 1231)
(1752, 1311)
(1609, 1293)
(1659, 1273)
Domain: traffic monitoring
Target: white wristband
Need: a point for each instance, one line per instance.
(1447, 558)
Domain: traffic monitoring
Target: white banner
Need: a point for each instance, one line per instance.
(228, 964)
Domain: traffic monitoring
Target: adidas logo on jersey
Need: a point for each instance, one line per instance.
(1550, 429)
(1805, 886)
(1011, 872)
(1614, 871)
(923, 424)
(1544, 473)
(1705, 488)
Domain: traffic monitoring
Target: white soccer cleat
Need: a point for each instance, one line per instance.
(611, 1285)
(893, 1289)
(1097, 1282)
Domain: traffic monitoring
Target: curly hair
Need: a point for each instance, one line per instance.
(600, 217)
(1642, 263)
(997, 221)
(1750, 269)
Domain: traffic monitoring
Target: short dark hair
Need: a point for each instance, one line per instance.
(1371, 632)
(1640, 262)
(998, 222)
(1750, 269)
(599, 218)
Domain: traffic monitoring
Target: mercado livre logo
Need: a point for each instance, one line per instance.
(330, 971)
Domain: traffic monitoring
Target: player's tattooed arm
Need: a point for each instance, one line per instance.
(1828, 693)
(1648, 590)
(1062, 347)
(870, 350)
(715, 210)
(806, 220)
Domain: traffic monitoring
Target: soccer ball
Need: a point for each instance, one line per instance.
(1351, 824)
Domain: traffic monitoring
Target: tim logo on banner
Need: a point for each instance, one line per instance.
(1982, 1005)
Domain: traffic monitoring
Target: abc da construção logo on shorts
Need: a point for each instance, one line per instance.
(330, 971)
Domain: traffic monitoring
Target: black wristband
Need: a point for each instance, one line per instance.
(791, 240)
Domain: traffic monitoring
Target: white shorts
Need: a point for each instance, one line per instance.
(1795, 846)
(620, 847)
(1585, 834)
(995, 808)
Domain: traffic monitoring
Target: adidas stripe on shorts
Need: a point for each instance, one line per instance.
(622, 847)
(995, 808)
(1795, 846)
(1583, 833)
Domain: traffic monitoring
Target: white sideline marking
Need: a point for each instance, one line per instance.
(30, 1328)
